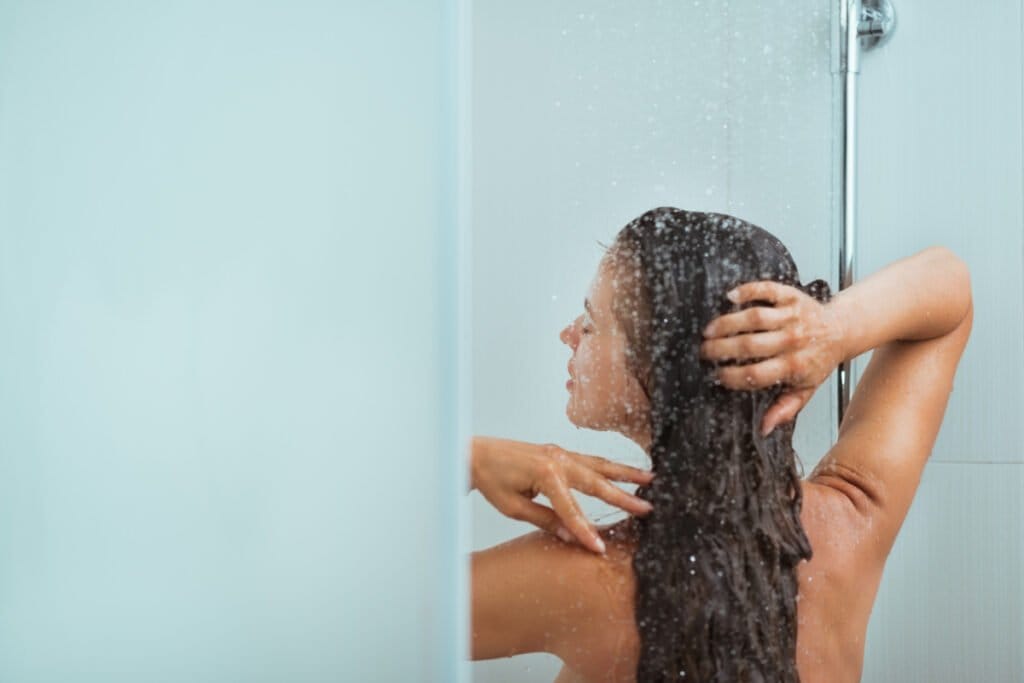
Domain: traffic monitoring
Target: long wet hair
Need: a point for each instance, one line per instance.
(715, 561)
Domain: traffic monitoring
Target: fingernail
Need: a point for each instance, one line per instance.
(733, 295)
(646, 505)
(599, 543)
(564, 534)
(707, 330)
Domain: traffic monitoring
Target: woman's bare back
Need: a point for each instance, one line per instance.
(854, 504)
(837, 587)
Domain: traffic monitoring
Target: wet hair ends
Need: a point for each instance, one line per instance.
(715, 561)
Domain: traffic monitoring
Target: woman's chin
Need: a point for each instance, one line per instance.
(571, 413)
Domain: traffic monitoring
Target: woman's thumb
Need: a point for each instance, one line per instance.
(784, 409)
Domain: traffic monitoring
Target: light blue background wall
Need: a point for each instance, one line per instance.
(940, 163)
(227, 342)
(588, 113)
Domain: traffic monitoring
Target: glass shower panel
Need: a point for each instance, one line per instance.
(587, 114)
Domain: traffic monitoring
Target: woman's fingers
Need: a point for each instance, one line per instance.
(567, 470)
(755, 375)
(784, 409)
(595, 485)
(753, 319)
(614, 470)
(764, 290)
(744, 346)
(572, 517)
(528, 511)
(539, 515)
(591, 477)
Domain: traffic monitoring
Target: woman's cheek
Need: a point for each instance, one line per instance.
(584, 359)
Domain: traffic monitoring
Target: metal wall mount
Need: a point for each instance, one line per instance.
(877, 23)
(859, 26)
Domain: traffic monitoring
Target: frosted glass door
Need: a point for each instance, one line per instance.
(226, 337)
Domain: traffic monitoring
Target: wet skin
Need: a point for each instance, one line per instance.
(537, 593)
(836, 590)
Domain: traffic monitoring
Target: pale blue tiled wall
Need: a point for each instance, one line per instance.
(949, 606)
(226, 342)
(940, 163)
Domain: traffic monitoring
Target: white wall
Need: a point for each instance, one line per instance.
(226, 343)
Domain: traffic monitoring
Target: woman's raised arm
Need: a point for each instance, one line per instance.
(916, 314)
(917, 298)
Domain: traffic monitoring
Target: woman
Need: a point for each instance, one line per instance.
(706, 585)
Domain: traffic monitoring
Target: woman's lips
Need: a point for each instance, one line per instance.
(568, 383)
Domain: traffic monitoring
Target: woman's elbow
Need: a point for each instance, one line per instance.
(959, 277)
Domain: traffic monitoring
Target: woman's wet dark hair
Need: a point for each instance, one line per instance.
(715, 561)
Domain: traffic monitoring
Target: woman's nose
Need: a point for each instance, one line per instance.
(568, 334)
(564, 334)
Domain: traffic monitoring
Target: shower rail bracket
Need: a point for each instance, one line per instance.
(877, 22)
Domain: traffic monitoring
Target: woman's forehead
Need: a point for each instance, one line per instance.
(600, 290)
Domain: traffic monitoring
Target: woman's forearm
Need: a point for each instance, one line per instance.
(922, 296)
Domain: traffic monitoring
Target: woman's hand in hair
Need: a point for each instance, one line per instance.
(794, 340)
(510, 474)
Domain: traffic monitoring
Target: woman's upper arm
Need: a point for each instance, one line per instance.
(890, 428)
(522, 596)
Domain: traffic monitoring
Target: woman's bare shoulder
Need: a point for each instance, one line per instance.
(585, 580)
(564, 598)
(524, 594)
(603, 642)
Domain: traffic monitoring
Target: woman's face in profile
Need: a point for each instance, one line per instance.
(603, 394)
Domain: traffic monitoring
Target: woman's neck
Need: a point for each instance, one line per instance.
(640, 434)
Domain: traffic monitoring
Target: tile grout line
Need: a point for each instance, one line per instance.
(972, 462)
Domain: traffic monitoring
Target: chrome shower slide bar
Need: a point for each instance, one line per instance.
(858, 25)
